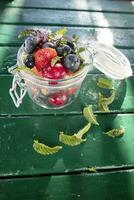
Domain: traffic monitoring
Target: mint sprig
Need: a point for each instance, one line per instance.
(89, 115)
(25, 69)
(55, 60)
(75, 38)
(104, 102)
(115, 132)
(76, 138)
(61, 32)
(104, 83)
(24, 33)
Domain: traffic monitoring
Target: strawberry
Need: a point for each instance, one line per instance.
(36, 71)
(58, 71)
(43, 57)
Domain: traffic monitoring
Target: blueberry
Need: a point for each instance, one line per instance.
(29, 61)
(72, 62)
(63, 49)
(29, 45)
(48, 44)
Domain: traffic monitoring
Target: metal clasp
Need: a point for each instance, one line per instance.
(17, 84)
(91, 51)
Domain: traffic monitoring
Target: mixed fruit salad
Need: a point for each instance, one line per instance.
(52, 56)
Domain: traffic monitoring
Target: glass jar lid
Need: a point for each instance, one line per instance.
(107, 59)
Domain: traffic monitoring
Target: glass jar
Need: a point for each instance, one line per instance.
(56, 94)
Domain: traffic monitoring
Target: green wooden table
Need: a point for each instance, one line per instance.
(24, 174)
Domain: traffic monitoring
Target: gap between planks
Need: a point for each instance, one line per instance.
(69, 9)
(63, 25)
(16, 116)
(83, 171)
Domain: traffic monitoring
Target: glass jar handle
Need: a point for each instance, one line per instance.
(16, 96)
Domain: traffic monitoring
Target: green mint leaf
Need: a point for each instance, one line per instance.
(65, 54)
(76, 138)
(108, 100)
(83, 65)
(61, 41)
(55, 60)
(105, 101)
(104, 83)
(50, 37)
(44, 149)
(81, 58)
(25, 33)
(103, 107)
(61, 32)
(81, 49)
(26, 69)
(115, 132)
(75, 38)
(70, 140)
(89, 115)
(84, 130)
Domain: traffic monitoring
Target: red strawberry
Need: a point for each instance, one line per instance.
(36, 71)
(58, 71)
(57, 99)
(43, 57)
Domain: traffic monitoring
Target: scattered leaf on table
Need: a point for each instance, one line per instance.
(105, 101)
(89, 115)
(115, 132)
(75, 139)
(44, 149)
(104, 83)
(70, 140)
(92, 169)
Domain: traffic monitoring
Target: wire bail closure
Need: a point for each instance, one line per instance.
(17, 84)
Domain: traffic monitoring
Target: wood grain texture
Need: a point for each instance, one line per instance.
(96, 5)
(61, 17)
(118, 37)
(18, 157)
(24, 174)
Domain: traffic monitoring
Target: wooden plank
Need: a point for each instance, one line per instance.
(114, 6)
(9, 34)
(18, 158)
(118, 37)
(124, 101)
(117, 185)
(61, 17)
(8, 57)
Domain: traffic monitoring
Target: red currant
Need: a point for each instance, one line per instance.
(56, 72)
(57, 99)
